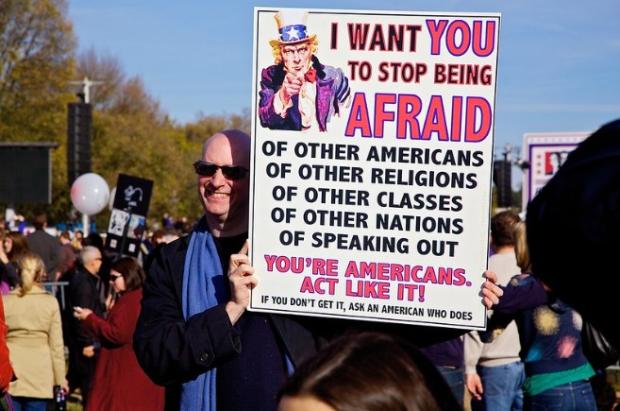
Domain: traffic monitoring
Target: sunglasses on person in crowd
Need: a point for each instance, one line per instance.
(208, 170)
(115, 277)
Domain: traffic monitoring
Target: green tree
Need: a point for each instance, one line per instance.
(105, 69)
(207, 125)
(133, 136)
(131, 133)
(36, 63)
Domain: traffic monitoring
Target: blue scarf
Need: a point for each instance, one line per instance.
(203, 287)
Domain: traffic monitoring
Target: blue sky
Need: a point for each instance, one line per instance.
(559, 61)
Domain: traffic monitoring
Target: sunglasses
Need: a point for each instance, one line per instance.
(208, 170)
(115, 277)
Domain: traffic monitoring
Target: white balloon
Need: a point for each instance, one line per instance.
(90, 193)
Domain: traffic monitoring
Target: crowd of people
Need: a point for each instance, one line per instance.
(172, 331)
(80, 340)
(180, 337)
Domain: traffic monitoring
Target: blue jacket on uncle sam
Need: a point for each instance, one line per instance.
(332, 93)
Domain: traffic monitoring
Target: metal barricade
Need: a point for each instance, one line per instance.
(53, 287)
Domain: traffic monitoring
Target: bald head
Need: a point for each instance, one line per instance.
(237, 140)
(224, 195)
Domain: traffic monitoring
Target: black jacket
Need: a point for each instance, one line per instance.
(172, 351)
(47, 247)
(84, 291)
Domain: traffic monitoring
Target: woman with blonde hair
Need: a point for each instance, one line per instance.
(34, 338)
(521, 250)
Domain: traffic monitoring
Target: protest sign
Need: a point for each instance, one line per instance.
(371, 170)
(545, 153)
(128, 217)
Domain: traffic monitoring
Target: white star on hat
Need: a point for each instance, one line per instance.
(294, 34)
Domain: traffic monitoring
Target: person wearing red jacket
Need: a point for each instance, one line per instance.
(119, 382)
(6, 371)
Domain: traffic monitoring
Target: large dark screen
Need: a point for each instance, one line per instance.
(24, 175)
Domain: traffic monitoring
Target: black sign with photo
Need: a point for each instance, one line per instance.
(128, 218)
(133, 194)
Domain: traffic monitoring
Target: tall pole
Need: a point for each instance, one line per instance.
(86, 84)
(507, 153)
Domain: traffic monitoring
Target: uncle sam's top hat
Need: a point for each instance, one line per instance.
(291, 27)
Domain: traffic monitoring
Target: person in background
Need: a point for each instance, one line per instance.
(46, 246)
(367, 372)
(6, 370)
(556, 369)
(131, 388)
(8, 273)
(76, 243)
(447, 356)
(156, 239)
(14, 246)
(34, 338)
(96, 240)
(494, 371)
(573, 224)
(21, 223)
(166, 222)
(86, 291)
(67, 255)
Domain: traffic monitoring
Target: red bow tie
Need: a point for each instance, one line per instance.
(310, 75)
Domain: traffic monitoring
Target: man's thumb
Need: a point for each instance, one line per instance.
(245, 248)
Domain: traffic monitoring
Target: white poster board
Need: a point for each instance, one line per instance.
(371, 202)
(545, 153)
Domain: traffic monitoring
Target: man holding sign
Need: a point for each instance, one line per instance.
(193, 335)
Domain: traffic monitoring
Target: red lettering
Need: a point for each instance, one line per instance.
(358, 117)
(489, 42)
(435, 121)
(474, 106)
(409, 106)
(455, 26)
(436, 29)
(457, 112)
(429, 276)
(381, 116)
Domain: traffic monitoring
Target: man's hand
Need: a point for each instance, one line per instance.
(88, 351)
(490, 291)
(474, 385)
(291, 86)
(241, 278)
